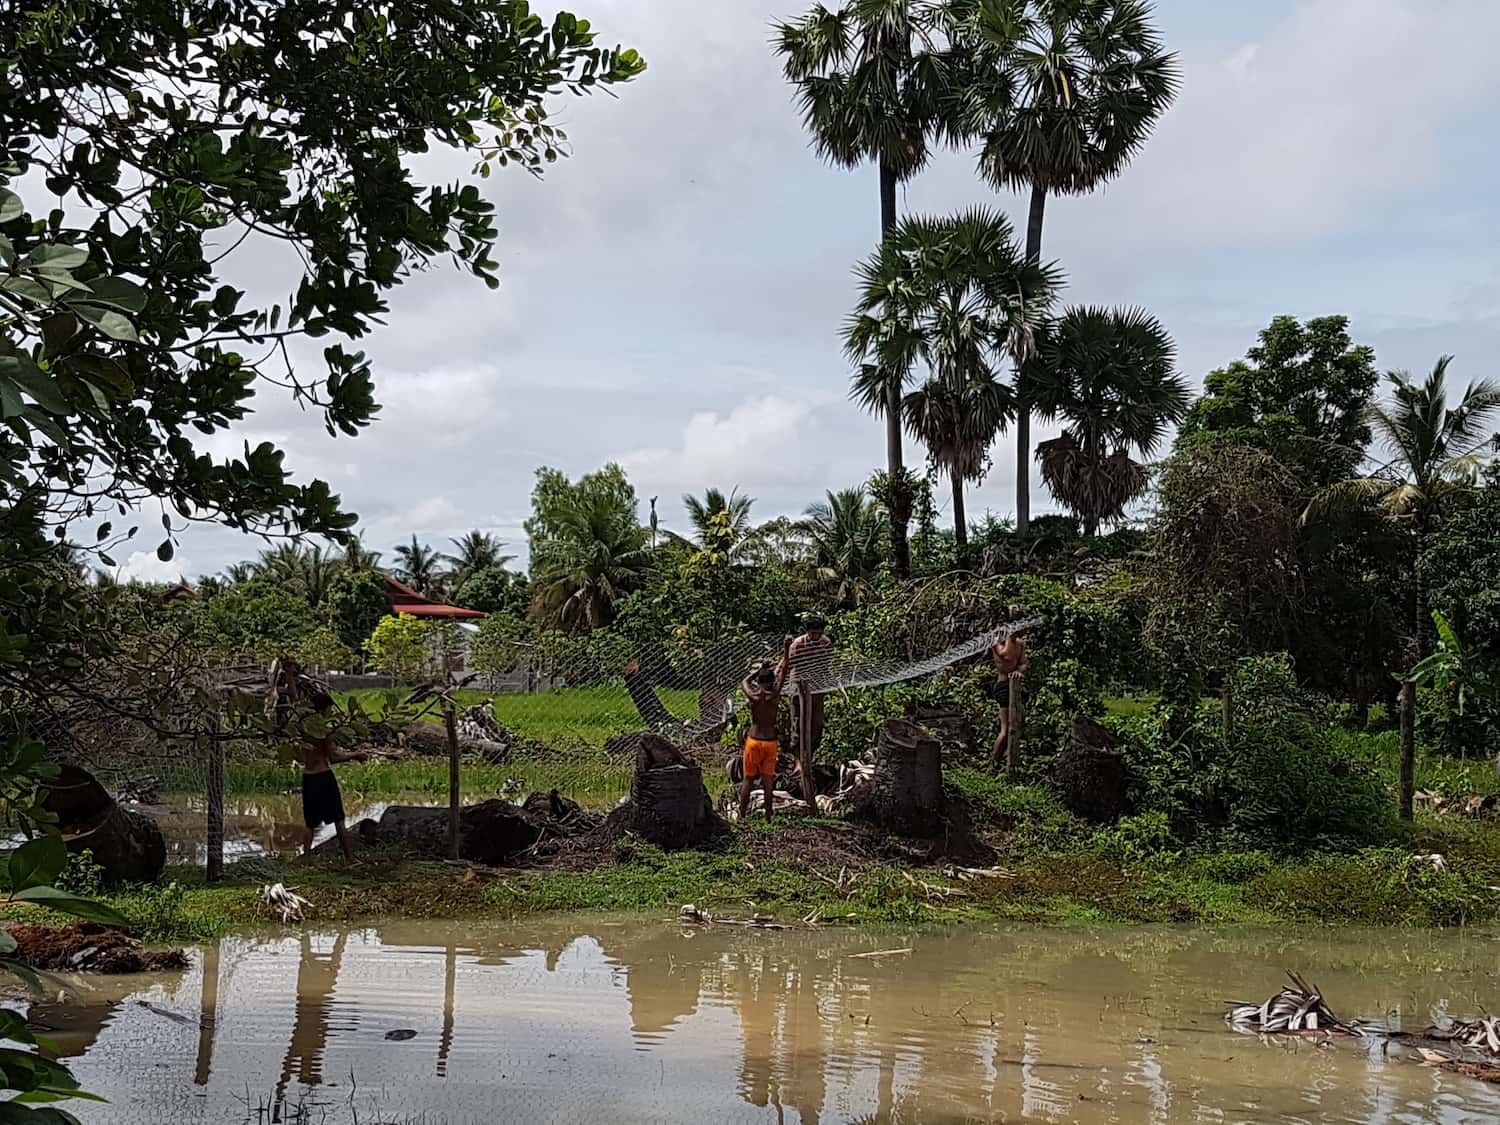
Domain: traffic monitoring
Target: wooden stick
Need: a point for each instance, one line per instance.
(804, 746)
(450, 723)
(1013, 730)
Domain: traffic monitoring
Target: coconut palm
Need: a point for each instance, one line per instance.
(596, 555)
(419, 566)
(868, 83)
(359, 557)
(1060, 95)
(1110, 376)
(956, 295)
(305, 571)
(474, 552)
(701, 512)
(846, 533)
(236, 574)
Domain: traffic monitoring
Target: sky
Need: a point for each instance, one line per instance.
(672, 293)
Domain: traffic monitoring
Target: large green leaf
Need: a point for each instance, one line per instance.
(54, 899)
(59, 257)
(20, 369)
(12, 1113)
(115, 325)
(11, 206)
(37, 862)
(116, 292)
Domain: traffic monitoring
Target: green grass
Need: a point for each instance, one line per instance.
(563, 718)
(1130, 706)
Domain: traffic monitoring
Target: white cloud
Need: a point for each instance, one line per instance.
(144, 566)
(762, 441)
(444, 403)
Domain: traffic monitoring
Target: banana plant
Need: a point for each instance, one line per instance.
(1448, 668)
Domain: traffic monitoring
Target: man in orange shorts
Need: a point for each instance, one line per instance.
(763, 690)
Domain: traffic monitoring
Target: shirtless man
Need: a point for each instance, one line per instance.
(763, 690)
(809, 656)
(1011, 662)
(321, 801)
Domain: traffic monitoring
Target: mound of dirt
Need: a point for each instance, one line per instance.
(88, 947)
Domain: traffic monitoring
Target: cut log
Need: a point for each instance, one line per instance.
(668, 803)
(907, 796)
(127, 845)
(1091, 775)
(492, 832)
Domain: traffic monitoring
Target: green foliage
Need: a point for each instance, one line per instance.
(82, 876)
(257, 619)
(847, 536)
(164, 912)
(1285, 778)
(1301, 395)
(120, 337)
(323, 649)
(1460, 568)
(357, 601)
(493, 589)
(400, 647)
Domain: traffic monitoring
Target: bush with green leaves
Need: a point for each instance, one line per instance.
(357, 601)
(1286, 778)
(400, 647)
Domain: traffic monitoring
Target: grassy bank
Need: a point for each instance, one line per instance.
(1059, 872)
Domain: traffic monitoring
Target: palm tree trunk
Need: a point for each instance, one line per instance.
(960, 522)
(1023, 414)
(900, 509)
(1407, 782)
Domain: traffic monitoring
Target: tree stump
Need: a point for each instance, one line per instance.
(672, 808)
(128, 845)
(1091, 775)
(492, 832)
(907, 795)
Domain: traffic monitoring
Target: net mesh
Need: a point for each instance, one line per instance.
(541, 719)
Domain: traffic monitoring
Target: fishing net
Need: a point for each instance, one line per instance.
(567, 717)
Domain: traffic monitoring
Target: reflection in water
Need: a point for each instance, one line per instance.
(636, 1020)
(264, 824)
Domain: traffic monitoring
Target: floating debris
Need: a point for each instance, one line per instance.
(883, 953)
(1478, 1035)
(690, 915)
(1295, 1010)
(1484, 1072)
(278, 897)
(400, 1035)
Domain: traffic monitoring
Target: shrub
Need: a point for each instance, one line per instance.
(1287, 777)
(398, 647)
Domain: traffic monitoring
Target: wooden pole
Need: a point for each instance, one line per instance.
(1408, 782)
(1013, 731)
(208, 1013)
(804, 746)
(450, 723)
(215, 834)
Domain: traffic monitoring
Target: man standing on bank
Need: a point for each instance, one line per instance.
(763, 690)
(1011, 662)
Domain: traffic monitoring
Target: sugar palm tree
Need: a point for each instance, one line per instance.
(701, 512)
(1436, 447)
(958, 422)
(955, 295)
(1060, 95)
(1110, 375)
(419, 566)
(474, 552)
(846, 533)
(305, 571)
(868, 83)
(596, 555)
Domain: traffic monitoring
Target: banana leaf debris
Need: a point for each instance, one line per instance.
(1296, 1010)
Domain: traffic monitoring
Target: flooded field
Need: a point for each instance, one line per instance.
(637, 1019)
(265, 824)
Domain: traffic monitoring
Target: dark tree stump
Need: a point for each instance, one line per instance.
(128, 845)
(672, 808)
(1091, 775)
(907, 795)
(492, 832)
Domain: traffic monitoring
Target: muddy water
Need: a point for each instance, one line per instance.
(601, 1020)
(265, 824)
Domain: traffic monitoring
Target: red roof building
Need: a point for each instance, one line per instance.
(406, 600)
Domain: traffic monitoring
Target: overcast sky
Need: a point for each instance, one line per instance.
(671, 294)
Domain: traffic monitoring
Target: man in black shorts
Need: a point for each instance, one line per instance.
(321, 801)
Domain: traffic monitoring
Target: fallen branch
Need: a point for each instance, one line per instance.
(882, 952)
